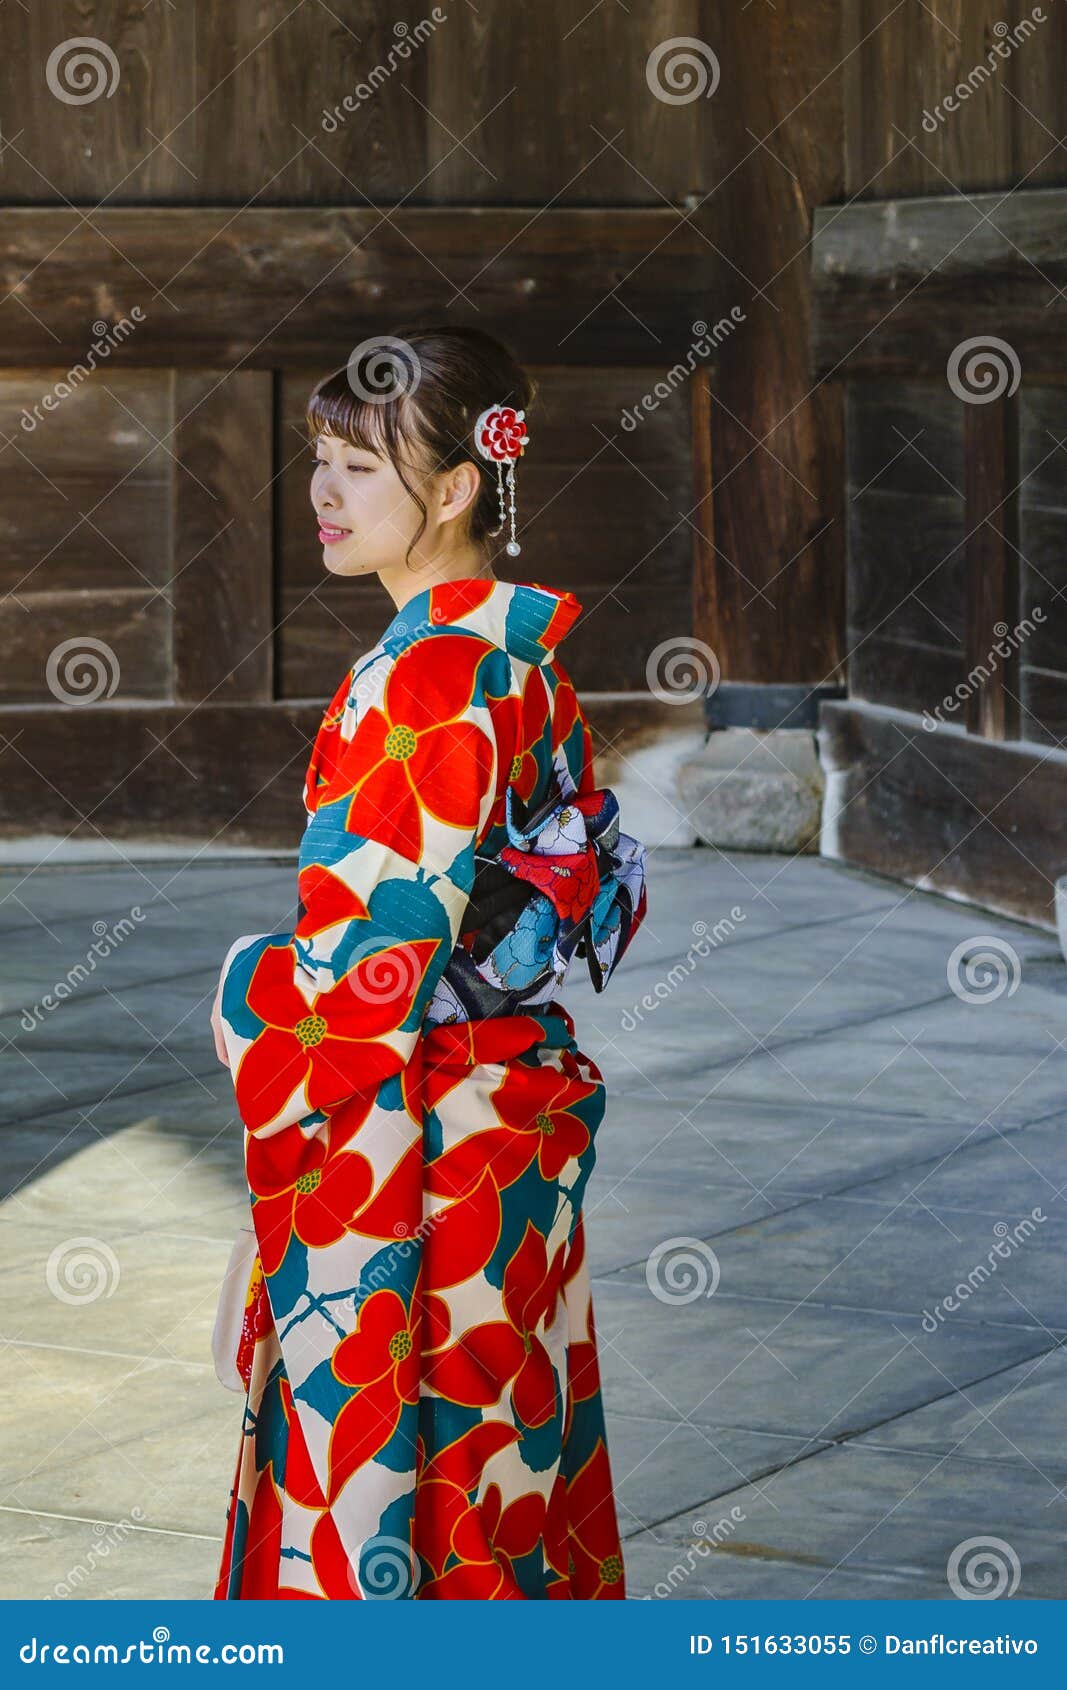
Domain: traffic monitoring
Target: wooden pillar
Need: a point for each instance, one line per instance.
(990, 434)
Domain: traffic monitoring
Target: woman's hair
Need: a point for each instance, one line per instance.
(421, 391)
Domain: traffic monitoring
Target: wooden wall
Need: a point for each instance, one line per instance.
(949, 246)
(223, 187)
(185, 186)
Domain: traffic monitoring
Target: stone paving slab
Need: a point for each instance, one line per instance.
(782, 1151)
(935, 1060)
(995, 1174)
(900, 1259)
(140, 1179)
(74, 1403)
(628, 1217)
(783, 1366)
(148, 1479)
(159, 1300)
(90, 1079)
(662, 1468)
(82, 1559)
(197, 1110)
(872, 1511)
(46, 898)
(1014, 1418)
(666, 1572)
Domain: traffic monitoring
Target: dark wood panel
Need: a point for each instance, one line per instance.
(907, 574)
(228, 773)
(626, 555)
(1038, 81)
(136, 140)
(973, 818)
(274, 124)
(1043, 446)
(898, 64)
(351, 102)
(74, 648)
(552, 99)
(1043, 702)
(85, 481)
(568, 285)
(222, 588)
(904, 675)
(705, 593)
(899, 285)
(904, 437)
(1043, 587)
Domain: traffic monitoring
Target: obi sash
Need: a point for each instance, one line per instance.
(567, 882)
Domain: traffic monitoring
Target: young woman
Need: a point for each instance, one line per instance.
(423, 1414)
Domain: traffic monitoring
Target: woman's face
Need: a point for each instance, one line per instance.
(366, 515)
(367, 518)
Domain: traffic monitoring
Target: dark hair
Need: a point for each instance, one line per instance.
(424, 388)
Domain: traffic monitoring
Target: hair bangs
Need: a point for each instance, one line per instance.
(375, 425)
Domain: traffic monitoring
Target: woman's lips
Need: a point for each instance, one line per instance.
(327, 533)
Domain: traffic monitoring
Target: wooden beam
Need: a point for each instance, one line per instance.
(289, 287)
(898, 284)
(946, 811)
(226, 774)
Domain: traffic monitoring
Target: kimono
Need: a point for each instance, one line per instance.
(423, 1415)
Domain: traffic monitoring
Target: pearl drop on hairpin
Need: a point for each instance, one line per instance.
(500, 437)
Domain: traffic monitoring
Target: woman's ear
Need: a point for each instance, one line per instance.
(459, 490)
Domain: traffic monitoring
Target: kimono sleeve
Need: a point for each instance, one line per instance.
(386, 868)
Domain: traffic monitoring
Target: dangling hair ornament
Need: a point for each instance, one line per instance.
(500, 436)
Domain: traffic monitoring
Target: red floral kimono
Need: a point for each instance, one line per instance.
(423, 1413)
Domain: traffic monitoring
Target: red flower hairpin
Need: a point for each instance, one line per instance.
(500, 437)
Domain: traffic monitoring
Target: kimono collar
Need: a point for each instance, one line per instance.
(525, 618)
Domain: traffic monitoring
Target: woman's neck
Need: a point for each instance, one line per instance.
(402, 584)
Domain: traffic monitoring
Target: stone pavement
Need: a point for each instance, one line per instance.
(826, 1227)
